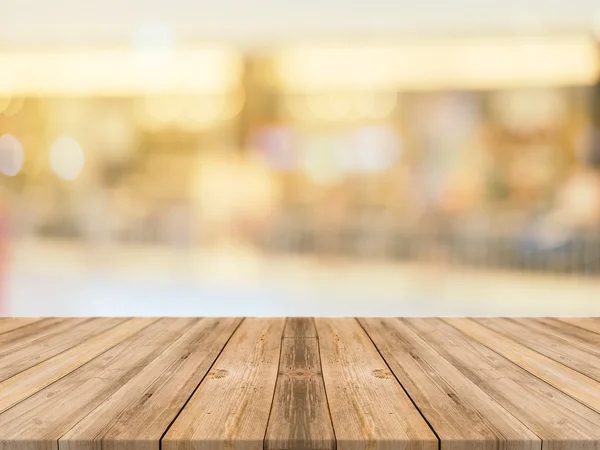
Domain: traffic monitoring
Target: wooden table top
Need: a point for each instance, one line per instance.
(299, 383)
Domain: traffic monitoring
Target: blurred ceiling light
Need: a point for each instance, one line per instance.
(66, 158)
(153, 44)
(116, 73)
(474, 63)
(11, 155)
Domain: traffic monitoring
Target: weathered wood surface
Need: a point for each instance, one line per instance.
(299, 384)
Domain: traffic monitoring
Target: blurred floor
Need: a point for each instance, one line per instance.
(63, 278)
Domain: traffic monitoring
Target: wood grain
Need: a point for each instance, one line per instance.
(589, 324)
(369, 409)
(15, 360)
(38, 422)
(9, 324)
(230, 409)
(535, 336)
(463, 416)
(300, 327)
(47, 372)
(573, 383)
(22, 336)
(573, 335)
(560, 421)
(137, 415)
(299, 384)
(300, 417)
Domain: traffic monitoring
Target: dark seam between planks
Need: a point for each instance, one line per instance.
(439, 441)
(543, 356)
(24, 325)
(276, 383)
(66, 349)
(76, 368)
(133, 401)
(160, 440)
(559, 319)
(467, 378)
(324, 385)
(530, 373)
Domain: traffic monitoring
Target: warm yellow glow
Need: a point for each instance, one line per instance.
(481, 63)
(66, 158)
(118, 72)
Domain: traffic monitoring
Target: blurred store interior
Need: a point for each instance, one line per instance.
(170, 158)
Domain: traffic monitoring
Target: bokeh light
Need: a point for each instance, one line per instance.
(11, 155)
(66, 158)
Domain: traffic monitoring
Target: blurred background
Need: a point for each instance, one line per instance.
(299, 158)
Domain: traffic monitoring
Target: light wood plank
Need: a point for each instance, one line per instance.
(530, 334)
(230, 409)
(12, 323)
(562, 422)
(587, 323)
(300, 327)
(41, 375)
(369, 409)
(39, 421)
(577, 385)
(137, 415)
(463, 416)
(300, 415)
(23, 357)
(579, 337)
(22, 336)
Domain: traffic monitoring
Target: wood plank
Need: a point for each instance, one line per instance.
(530, 334)
(38, 422)
(560, 421)
(579, 337)
(369, 408)
(137, 415)
(300, 417)
(21, 336)
(230, 409)
(12, 323)
(41, 375)
(573, 383)
(23, 357)
(300, 327)
(587, 323)
(463, 416)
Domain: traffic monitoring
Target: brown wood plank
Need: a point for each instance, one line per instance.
(137, 415)
(562, 422)
(463, 416)
(300, 415)
(21, 358)
(587, 323)
(12, 323)
(300, 327)
(539, 339)
(230, 409)
(579, 337)
(47, 372)
(369, 408)
(573, 383)
(22, 336)
(38, 422)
